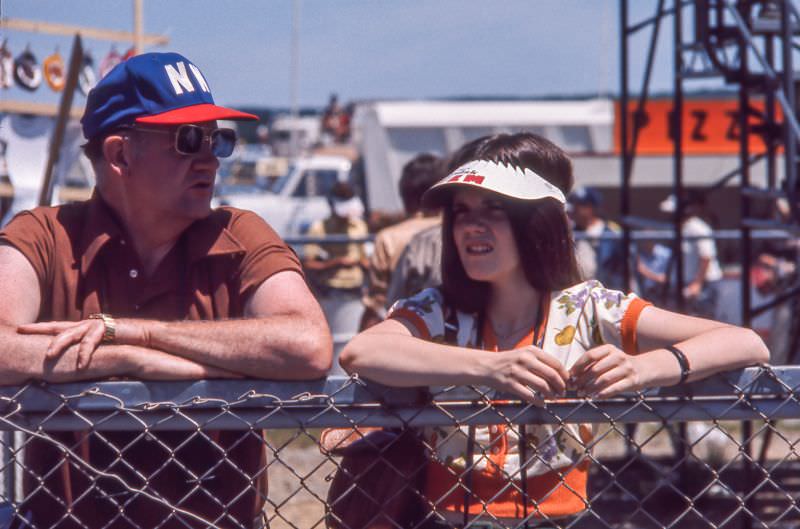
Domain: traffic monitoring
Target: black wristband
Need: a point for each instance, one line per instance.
(682, 360)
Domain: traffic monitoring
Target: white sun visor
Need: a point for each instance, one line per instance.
(507, 180)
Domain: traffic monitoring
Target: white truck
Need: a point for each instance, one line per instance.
(289, 203)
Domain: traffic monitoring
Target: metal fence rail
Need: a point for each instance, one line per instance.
(660, 231)
(190, 454)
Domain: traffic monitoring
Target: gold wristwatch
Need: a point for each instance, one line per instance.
(110, 325)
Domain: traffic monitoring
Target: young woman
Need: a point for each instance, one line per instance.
(512, 313)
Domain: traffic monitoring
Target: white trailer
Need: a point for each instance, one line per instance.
(389, 133)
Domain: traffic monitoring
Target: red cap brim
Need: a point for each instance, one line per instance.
(196, 114)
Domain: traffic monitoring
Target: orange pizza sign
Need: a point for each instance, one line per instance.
(710, 127)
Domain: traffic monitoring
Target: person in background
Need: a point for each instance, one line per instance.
(652, 269)
(773, 271)
(334, 121)
(6, 187)
(263, 139)
(145, 280)
(513, 314)
(418, 267)
(418, 175)
(599, 256)
(336, 266)
(701, 270)
(336, 270)
(778, 259)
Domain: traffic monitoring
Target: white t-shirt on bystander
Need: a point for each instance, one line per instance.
(696, 249)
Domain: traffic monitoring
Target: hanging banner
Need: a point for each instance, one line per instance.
(27, 72)
(6, 66)
(109, 61)
(54, 71)
(86, 77)
(710, 127)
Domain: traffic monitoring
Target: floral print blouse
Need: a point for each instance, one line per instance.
(579, 318)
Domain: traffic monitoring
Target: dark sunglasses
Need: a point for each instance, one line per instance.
(189, 139)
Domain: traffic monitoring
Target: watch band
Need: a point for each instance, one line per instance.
(110, 332)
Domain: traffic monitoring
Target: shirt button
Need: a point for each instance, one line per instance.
(495, 450)
(137, 307)
(122, 242)
(134, 273)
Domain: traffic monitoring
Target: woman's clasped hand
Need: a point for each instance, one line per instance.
(535, 375)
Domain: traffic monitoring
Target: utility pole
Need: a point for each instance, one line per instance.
(138, 26)
(294, 78)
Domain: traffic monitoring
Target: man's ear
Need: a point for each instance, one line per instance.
(115, 152)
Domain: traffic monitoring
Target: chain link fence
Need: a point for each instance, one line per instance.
(342, 452)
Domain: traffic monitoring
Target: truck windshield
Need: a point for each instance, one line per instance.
(316, 183)
(278, 185)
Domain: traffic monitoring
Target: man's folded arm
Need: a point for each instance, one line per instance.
(283, 336)
(22, 356)
(23, 359)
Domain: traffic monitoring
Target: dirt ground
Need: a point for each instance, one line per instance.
(636, 489)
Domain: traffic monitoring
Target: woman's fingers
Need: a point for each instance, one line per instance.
(588, 358)
(622, 385)
(606, 380)
(530, 373)
(595, 370)
(535, 382)
(553, 381)
(525, 393)
(604, 371)
(552, 362)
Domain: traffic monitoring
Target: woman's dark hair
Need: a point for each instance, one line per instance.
(541, 229)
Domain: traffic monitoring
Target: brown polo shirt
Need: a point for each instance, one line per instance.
(85, 264)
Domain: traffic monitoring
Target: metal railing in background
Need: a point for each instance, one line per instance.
(637, 478)
(662, 234)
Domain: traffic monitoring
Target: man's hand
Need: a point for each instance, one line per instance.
(87, 333)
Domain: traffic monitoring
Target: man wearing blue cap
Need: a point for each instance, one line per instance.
(127, 285)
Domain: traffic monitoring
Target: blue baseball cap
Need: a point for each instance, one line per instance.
(157, 88)
(585, 196)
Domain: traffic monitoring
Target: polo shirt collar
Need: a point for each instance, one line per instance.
(210, 237)
(207, 237)
(101, 227)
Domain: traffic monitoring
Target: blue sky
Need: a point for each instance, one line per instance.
(368, 48)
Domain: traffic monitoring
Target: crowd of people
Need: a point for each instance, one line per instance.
(145, 280)
(406, 256)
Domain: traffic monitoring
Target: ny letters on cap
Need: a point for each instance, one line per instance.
(155, 88)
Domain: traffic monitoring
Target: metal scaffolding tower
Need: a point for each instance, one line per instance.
(749, 46)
